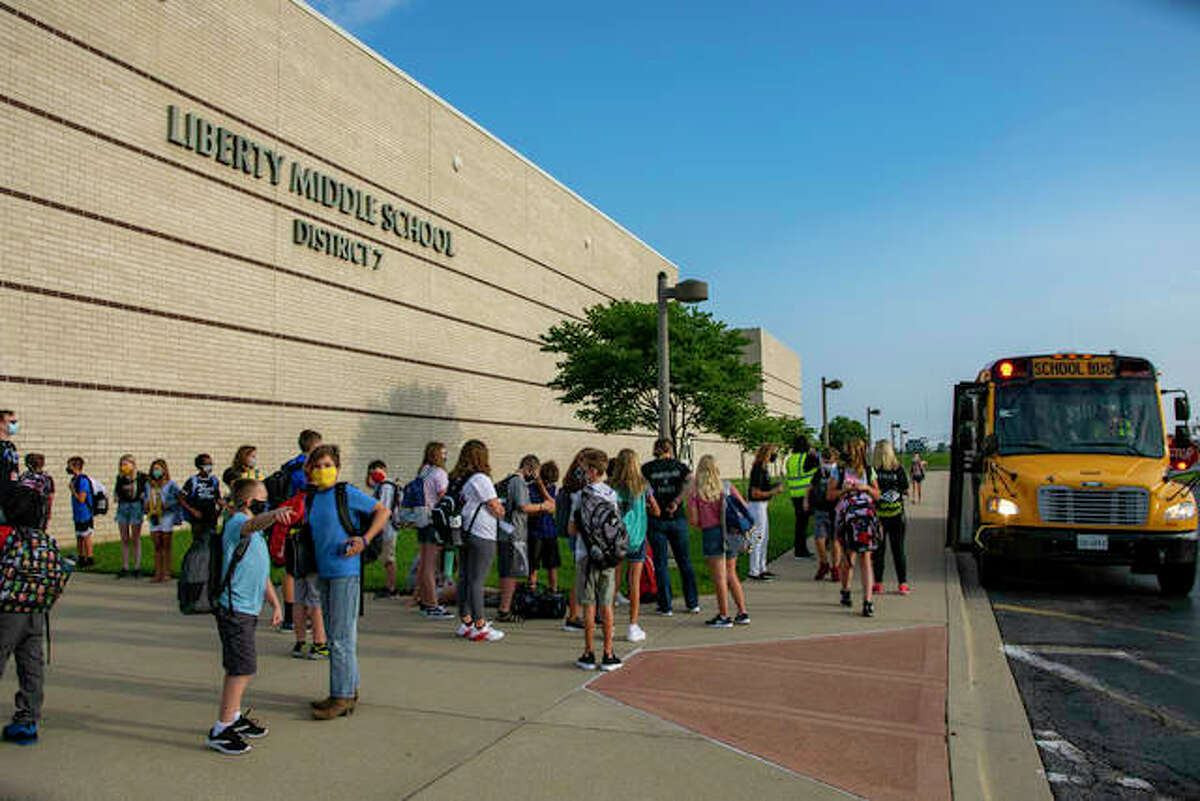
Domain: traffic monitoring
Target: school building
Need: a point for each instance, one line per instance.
(226, 221)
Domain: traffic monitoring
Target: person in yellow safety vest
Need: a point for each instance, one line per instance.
(799, 468)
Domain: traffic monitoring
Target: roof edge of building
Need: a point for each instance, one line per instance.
(456, 112)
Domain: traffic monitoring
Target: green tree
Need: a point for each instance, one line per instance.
(608, 368)
(763, 428)
(843, 429)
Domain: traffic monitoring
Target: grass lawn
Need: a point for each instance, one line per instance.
(108, 554)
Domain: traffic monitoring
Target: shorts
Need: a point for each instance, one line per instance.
(307, 592)
(636, 555)
(427, 535)
(83, 528)
(918, 479)
(822, 524)
(513, 559)
(543, 554)
(594, 587)
(236, 630)
(387, 556)
(713, 544)
(130, 513)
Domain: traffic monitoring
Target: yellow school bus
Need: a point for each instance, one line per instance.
(1064, 457)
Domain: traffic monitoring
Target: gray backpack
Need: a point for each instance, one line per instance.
(602, 530)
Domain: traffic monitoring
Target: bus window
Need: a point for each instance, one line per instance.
(1089, 416)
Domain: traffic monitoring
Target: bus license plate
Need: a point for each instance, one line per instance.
(1091, 542)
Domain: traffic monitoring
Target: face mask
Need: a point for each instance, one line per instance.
(126, 469)
(324, 477)
(13, 428)
(251, 462)
(258, 507)
(156, 473)
(774, 456)
(206, 469)
(379, 476)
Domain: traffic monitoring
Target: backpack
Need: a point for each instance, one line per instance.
(39, 483)
(279, 483)
(200, 575)
(99, 498)
(408, 507)
(562, 514)
(605, 538)
(33, 573)
(534, 603)
(635, 519)
(446, 515)
(281, 532)
(740, 530)
(394, 506)
(857, 520)
(818, 490)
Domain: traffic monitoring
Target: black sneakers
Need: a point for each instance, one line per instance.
(299, 651)
(719, 622)
(249, 728)
(611, 662)
(587, 661)
(868, 609)
(227, 742)
(845, 598)
(743, 619)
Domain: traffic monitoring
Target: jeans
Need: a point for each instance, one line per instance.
(801, 546)
(475, 560)
(893, 530)
(21, 635)
(758, 551)
(673, 533)
(339, 603)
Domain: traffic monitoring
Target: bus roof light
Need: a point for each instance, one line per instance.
(1005, 369)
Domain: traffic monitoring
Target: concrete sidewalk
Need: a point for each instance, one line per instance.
(134, 684)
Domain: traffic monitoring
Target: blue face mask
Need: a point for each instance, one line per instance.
(13, 428)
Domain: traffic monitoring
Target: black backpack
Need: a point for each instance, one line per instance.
(279, 483)
(203, 576)
(446, 515)
(534, 603)
(602, 530)
(818, 490)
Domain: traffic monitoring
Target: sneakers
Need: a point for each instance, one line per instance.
(319, 651)
(287, 626)
(636, 633)
(610, 663)
(438, 612)
(386, 595)
(845, 598)
(227, 742)
(463, 630)
(756, 577)
(834, 574)
(485, 634)
(868, 609)
(299, 651)
(620, 600)
(20, 733)
(719, 622)
(877, 588)
(768, 575)
(572, 624)
(904, 590)
(822, 571)
(509, 617)
(587, 661)
(122, 573)
(249, 728)
(743, 619)
(694, 610)
(663, 612)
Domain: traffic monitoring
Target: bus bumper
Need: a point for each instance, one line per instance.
(1146, 551)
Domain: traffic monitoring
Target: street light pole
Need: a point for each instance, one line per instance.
(870, 412)
(689, 291)
(835, 384)
(903, 434)
(892, 434)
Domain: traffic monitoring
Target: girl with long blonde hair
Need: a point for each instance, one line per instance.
(855, 491)
(893, 487)
(637, 504)
(706, 511)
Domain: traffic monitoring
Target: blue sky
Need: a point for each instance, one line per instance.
(899, 191)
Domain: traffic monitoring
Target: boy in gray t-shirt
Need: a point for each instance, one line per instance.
(513, 532)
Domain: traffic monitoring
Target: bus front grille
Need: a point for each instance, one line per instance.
(1126, 506)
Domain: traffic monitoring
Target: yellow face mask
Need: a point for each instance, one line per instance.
(324, 477)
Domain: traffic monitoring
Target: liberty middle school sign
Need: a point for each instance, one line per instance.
(245, 155)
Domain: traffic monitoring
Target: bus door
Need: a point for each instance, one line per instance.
(966, 462)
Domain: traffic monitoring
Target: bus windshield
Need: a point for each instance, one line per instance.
(1090, 416)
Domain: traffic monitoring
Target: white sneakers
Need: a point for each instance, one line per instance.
(463, 630)
(620, 600)
(485, 634)
(636, 634)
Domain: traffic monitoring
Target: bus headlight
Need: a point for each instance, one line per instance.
(1184, 510)
(1007, 508)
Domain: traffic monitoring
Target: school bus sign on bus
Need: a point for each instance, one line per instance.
(1065, 457)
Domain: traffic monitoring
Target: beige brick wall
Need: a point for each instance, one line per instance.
(780, 392)
(155, 300)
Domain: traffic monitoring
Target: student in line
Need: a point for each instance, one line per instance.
(129, 489)
(855, 491)
(829, 552)
(669, 480)
(245, 463)
(762, 490)
(245, 584)
(513, 532)
(161, 500)
(893, 487)
(595, 586)
(339, 566)
(10, 460)
(82, 501)
(574, 480)
(294, 468)
(543, 537)
(436, 481)
(36, 478)
(637, 505)
(706, 511)
(384, 491)
(201, 500)
(481, 510)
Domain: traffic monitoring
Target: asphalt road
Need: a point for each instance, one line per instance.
(1110, 675)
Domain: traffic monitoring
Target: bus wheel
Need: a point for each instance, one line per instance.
(991, 569)
(1177, 580)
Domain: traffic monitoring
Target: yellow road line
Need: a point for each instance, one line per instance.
(1029, 610)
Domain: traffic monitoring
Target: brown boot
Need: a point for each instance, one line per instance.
(325, 703)
(339, 708)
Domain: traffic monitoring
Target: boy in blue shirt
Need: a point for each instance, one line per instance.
(245, 580)
(82, 503)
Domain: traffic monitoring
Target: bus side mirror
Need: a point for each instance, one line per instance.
(1183, 409)
(1182, 437)
(966, 439)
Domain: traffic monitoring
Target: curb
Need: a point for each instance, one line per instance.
(993, 756)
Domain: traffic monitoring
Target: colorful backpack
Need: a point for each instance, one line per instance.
(857, 520)
(33, 573)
